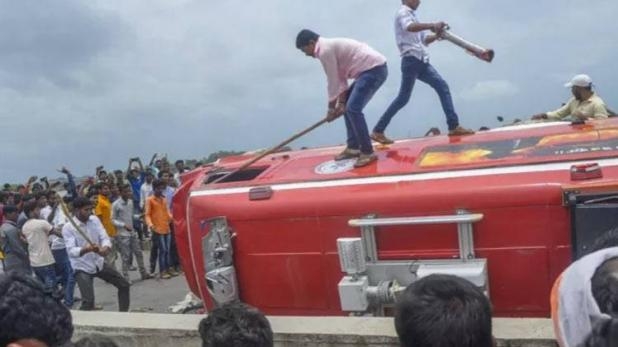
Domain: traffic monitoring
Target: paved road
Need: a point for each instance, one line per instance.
(154, 295)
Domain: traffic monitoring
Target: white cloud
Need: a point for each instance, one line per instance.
(486, 90)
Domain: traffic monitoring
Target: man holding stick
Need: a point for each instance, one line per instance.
(345, 59)
(88, 244)
(412, 40)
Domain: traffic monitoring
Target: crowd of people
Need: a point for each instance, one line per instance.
(68, 233)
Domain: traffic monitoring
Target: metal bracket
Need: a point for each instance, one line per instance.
(462, 218)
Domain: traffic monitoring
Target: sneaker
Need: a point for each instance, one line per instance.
(133, 268)
(460, 131)
(166, 276)
(348, 153)
(381, 138)
(173, 273)
(146, 276)
(365, 159)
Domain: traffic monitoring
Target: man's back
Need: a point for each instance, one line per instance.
(14, 249)
(37, 232)
(443, 311)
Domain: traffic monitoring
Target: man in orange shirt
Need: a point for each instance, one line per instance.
(103, 211)
(158, 218)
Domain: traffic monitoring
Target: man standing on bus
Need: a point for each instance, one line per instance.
(584, 104)
(412, 41)
(345, 59)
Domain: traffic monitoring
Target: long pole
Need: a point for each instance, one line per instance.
(271, 151)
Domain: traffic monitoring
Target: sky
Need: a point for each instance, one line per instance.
(88, 83)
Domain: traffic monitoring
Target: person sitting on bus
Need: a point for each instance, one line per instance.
(443, 310)
(585, 104)
(584, 294)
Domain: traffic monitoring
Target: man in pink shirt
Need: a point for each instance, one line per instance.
(345, 59)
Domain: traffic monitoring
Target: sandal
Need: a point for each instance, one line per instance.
(365, 159)
(348, 153)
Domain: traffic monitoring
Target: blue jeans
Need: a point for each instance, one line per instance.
(361, 91)
(411, 70)
(65, 273)
(163, 245)
(47, 275)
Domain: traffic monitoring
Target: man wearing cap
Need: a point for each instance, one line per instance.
(344, 59)
(585, 104)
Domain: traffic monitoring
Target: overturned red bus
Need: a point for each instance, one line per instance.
(507, 209)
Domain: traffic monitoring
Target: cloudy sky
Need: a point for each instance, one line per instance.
(84, 83)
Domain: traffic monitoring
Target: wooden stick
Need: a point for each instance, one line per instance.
(270, 151)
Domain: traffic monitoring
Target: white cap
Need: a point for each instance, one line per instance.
(580, 81)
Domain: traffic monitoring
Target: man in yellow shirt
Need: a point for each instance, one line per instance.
(158, 218)
(103, 211)
(585, 104)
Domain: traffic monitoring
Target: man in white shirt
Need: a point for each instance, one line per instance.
(146, 189)
(412, 40)
(87, 248)
(37, 232)
(584, 104)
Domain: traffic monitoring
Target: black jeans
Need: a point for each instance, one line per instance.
(109, 275)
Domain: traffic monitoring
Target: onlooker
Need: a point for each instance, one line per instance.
(128, 243)
(87, 259)
(236, 325)
(64, 271)
(136, 178)
(146, 189)
(22, 218)
(158, 218)
(37, 232)
(586, 292)
(13, 243)
(119, 178)
(29, 316)
(169, 191)
(443, 310)
(180, 169)
(103, 210)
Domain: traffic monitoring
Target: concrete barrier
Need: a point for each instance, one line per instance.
(145, 329)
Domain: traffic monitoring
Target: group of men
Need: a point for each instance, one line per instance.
(344, 59)
(74, 238)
